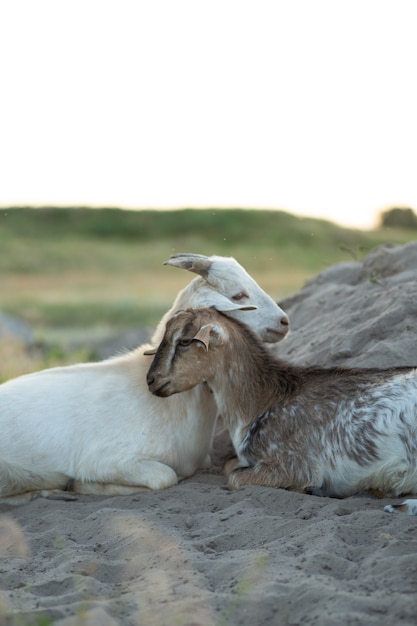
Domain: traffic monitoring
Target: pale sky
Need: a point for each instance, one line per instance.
(304, 105)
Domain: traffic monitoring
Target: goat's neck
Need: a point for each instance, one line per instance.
(243, 387)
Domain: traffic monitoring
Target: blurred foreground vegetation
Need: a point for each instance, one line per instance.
(67, 268)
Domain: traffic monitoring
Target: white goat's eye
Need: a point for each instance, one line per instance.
(240, 296)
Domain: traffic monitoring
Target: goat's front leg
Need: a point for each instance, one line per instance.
(128, 477)
(267, 474)
(407, 506)
(230, 465)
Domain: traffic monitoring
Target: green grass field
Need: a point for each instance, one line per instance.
(90, 267)
(85, 268)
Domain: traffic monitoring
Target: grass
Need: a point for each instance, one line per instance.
(79, 268)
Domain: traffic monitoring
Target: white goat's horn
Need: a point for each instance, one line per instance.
(197, 263)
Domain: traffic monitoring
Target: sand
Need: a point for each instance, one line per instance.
(198, 554)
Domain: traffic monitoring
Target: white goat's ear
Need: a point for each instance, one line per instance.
(150, 352)
(223, 304)
(210, 334)
(238, 307)
(197, 263)
(208, 297)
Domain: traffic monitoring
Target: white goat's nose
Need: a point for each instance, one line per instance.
(285, 321)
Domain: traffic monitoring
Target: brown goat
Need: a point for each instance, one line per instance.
(335, 431)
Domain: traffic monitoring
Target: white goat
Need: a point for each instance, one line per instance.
(95, 428)
(332, 432)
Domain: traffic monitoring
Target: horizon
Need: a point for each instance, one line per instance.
(202, 208)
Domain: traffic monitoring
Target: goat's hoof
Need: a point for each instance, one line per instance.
(408, 506)
(230, 466)
(233, 481)
(57, 494)
(315, 491)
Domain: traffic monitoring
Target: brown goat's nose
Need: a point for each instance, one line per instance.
(285, 321)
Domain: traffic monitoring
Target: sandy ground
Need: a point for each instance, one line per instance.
(198, 554)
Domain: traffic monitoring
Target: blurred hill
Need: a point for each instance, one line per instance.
(217, 225)
(68, 270)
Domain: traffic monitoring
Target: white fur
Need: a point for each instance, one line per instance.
(95, 428)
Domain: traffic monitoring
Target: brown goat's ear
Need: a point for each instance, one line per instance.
(203, 336)
(210, 333)
(150, 352)
(197, 263)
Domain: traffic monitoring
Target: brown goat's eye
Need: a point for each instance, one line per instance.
(240, 296)
(184, 343)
